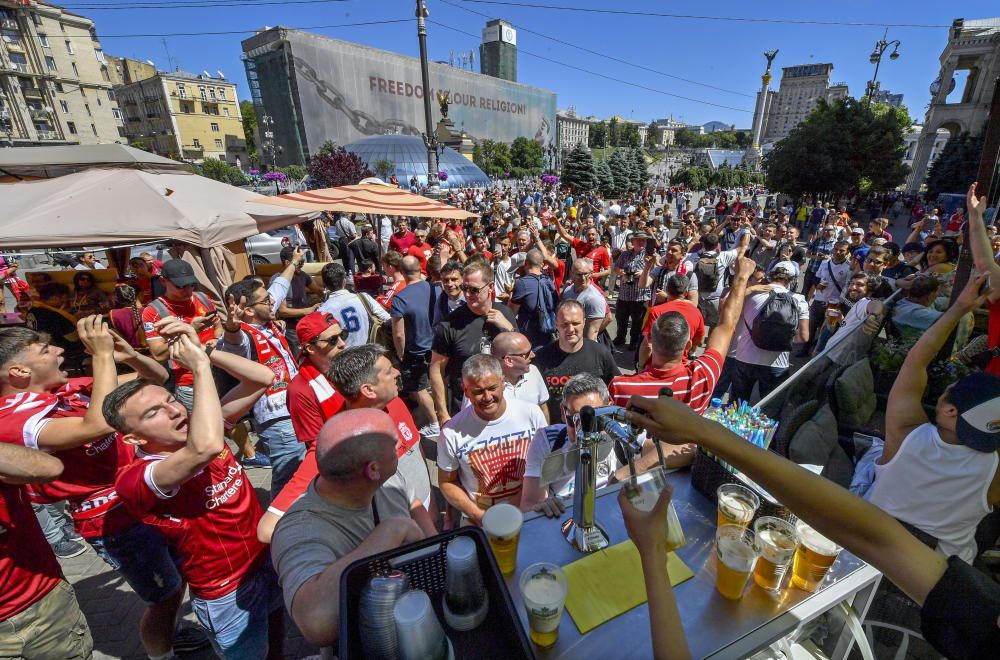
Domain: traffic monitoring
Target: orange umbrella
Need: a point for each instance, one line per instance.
(369, 198)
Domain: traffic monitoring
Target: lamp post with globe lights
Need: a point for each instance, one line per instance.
(876, 58)
(430, 140)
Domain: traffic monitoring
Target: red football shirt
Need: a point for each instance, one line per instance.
(692, 382)
(401, 243)
(305, 409)
(88, 479)
(28, 567)
(408, 435)
(211, 520)
(386, 298)
(599, 254)
(421, 252)
(185, 311)
(691, 313)
(993, 337)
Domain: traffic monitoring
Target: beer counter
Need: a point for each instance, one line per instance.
(715, 627)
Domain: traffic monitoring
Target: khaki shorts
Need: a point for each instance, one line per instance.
(54, 627)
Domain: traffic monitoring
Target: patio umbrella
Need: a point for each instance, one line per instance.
(369, 198)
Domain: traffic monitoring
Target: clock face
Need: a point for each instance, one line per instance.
(508, 35)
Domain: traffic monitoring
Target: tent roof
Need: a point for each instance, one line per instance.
(369, 198)
(61, 160)
(118, 207)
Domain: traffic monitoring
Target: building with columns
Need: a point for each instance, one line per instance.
(973, 46)
(801, 88)
(572, 129)
(912, 138)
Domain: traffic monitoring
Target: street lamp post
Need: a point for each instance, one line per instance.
(876, 58)
(430, 139)
(268, 122)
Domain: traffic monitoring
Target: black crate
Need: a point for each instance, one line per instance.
(501, 634)
(707, 474)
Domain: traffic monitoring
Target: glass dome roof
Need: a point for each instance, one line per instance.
(410, 156)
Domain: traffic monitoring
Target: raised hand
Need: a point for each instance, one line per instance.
(95, 335)
(187, 353)
(234, 313)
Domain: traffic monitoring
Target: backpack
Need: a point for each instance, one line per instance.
(379, 332)
(546, 306)
(775, 326)
(708, 272)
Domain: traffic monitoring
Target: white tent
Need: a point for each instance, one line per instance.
(46, 162)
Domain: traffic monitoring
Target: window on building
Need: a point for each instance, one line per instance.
(117, 113)
(44, 38)
(204, 94)
(86, 106)
(104, 74)
(69, 47)
(121, 131)
(64, 106)
(76, 71)
(211, 93)
(218, 144)
(50, 63)
(71, 127)
(215, 127)
(36, 19)
(99, 101)
(222, 94)
(225, 111)
(182, 91)
(59, 87)
(205, 109)
(11, 37)
(111, 95)
(94, 129)
(215, 110)
(99, 54)
(197, 143)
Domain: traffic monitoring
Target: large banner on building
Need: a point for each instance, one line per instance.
(348, 92)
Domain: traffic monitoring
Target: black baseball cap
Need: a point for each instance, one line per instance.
(179, 273)
(977, 398)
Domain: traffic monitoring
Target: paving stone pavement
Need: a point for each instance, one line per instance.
(113, 610)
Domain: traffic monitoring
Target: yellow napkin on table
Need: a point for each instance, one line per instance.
(609, 582)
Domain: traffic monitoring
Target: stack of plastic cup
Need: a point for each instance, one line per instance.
(378, 629)
(466, 601)
(418, 631)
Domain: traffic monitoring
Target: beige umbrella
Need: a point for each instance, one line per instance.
(370, 198)
(121, 206)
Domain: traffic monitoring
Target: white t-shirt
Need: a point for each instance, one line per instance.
(351, 313)
(541, 447)
(747, 351)
(724, 260)
(826, 274)
(531, 388)
(490, 455)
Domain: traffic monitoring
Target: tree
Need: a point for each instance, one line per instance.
(294, 172)
(613, 132)
(492, 157)
(844, 147)
(605, 181)
(527, 155)
(597, 135)
(957, 164)
(385, 168)
(621, 172)
(640, 171)
(578, 170)
(336, 166)
(685, 137)
(249, 113)
(628, 135)
(215, 169)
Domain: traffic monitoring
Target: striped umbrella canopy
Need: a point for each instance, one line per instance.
(370, 198)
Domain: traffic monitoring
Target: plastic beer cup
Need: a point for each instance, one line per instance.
(737, 505)
(502, 524)
(735, 555)
(643, 491)
(543, 590)
(813, 558)
(777, 540)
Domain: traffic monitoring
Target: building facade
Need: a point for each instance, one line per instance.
(125, 71)
(801, 88)
(912, 139)
(55, 84)
(316, 89)
(571, 129)
(663, 131)
(185, 116)
(498, 52)
(885, 96)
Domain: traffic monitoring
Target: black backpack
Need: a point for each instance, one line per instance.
(708, 272)
(775, 326)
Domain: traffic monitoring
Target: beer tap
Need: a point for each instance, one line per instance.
(582, 530)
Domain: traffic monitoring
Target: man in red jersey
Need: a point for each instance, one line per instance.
(420, 249)
(186, 482)
(691, 381)
(392, 264)
(41, 408)
(590, 248)
(312, 400)
(39, 615)
(675, 287)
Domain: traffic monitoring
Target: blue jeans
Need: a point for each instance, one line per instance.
(237, 623)
(285, 450)
(746, 375)
(144, 559)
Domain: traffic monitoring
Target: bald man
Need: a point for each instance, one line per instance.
(346, 514)
(522, 380)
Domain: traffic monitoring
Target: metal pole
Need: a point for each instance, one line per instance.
(430, 140)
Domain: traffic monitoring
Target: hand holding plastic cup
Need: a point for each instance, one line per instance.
(643, 491)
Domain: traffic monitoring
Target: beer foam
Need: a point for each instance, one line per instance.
(543, 590)
(736, 554)
(815, 541)
(776, 546)
(735, 507)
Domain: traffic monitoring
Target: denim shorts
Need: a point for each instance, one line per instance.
(237, 623)
(144, 559)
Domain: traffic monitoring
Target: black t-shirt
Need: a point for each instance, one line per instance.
(558, 366)
(959, 617)
(460, 336)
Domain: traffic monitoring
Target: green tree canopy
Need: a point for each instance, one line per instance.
(597, 135)
(249, 126)
(492, 157)
(640, 170)
(843, 147)
(527, 155)
(578, 170)
(956, 166)
(628, 135)
(621, 172)
(605, 181)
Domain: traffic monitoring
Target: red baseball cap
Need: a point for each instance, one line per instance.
(312, 326)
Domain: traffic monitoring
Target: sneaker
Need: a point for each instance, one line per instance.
(66, 549)
(258, 461)
(190, 638)
(432, 430)
(70, 534)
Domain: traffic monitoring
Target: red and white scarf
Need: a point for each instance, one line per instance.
(329, 401)
(273, 357)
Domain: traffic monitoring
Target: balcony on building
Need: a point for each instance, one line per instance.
(31, 92)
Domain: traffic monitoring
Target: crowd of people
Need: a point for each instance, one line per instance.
(483, 339)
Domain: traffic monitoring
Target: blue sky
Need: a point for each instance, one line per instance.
(723, 54)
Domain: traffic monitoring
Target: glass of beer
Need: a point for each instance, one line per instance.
(737, 504)
(643, 491)
(777, 540)
(502, 524)
(813, 558)
(543, 590)
(735, 554)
